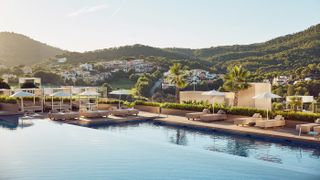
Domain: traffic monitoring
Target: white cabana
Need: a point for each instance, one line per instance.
(121, 92)
(61, 94)
(267, 96)
(88, 95)
(22, 94)
(214, 94)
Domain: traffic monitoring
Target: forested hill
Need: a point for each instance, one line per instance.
(17, 49)
(282, 53)
(135, 51)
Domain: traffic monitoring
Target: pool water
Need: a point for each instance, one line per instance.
(42, 149)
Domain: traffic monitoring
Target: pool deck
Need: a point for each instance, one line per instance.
(286, 134)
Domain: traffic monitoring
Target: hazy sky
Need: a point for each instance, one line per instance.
(81, 25)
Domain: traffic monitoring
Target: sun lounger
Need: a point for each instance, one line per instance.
(306, 128)
(248, 120)
(90, 114)
(196, 115)
(104, 113)
(316, 129)
(72, 115)
(124, 112)
(57, 116)
(133, 112)
(220, 115)
(278, 121)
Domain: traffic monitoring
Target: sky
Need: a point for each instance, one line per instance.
(83, 25)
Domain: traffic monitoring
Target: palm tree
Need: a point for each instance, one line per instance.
(295, 103)
(236, 80)
(177, 77)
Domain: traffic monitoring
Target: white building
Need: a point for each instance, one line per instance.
(62, 60)
(86, 67)
(280, 80)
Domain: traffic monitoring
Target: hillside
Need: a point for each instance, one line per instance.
(17, 49)
(282, 53)
(279, 54)
(122, 52)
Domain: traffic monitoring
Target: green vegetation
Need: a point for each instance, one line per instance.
(18, 49)
(236, 80)
(145, 83)
(9, 100)
(122, 84)
(48, 77)
(177, 77)
(4, 85)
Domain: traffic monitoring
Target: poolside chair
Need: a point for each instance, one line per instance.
(119, 112)
(196, 115)
(246, 121)
(220, 115)
(58, 116)
(90, 114)
(278, 121)
(307, 127)
(124, 112)
(72, 115)
(316, 129)
(132, 111)
(104, 113)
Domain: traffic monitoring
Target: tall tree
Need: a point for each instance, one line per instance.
(4, 85)
(236, 80)
(177, 77)
(290, 91)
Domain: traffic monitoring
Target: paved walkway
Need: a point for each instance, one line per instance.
(228, 126)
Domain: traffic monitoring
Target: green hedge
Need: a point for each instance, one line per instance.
(188, 107)
(9, 100)
(301, 116)
(146, 103)
(111, 101)
(245, 111)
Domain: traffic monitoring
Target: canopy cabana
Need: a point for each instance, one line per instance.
(61, 95)
(88, 95)
(21, 95)
(121, 92)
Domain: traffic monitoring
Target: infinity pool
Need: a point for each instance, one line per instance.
(42, 149)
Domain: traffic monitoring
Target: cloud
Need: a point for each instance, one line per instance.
(87, 10)
(118, 9)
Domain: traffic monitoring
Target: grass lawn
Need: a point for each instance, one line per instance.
(122, 84)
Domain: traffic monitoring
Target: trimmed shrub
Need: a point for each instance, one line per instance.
(300, 116)
(245, 111)
(111, 101)
(146, 103)
(8, 100)
(189, 107)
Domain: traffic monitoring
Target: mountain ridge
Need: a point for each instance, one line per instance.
(18, 49)
(290, 50)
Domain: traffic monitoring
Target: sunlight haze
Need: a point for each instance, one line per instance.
(88, 25)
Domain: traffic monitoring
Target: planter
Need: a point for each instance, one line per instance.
(9, 107)
(176, 112)
(151, 109)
